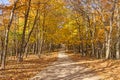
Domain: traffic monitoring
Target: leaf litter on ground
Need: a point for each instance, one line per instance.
(28, 68)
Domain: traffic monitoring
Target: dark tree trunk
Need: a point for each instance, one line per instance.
(22, 49)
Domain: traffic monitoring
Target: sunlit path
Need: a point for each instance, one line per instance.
(65, 69)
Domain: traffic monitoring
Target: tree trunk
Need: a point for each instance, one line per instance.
(108, 47)
(20, 56)
(43, 31)
(2, 47)
(118, 35)
(108, 44)
(7, 37)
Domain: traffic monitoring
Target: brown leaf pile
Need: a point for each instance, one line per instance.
(28, 68)
(110, 69)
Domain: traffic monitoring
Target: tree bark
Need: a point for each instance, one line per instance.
(118, 34)
(108, 43)
(7, 36)
(22, 49)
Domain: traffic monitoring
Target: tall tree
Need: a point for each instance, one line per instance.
(22, 48)
(7, 35)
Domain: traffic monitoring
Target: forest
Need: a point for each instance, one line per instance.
(35, 27)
